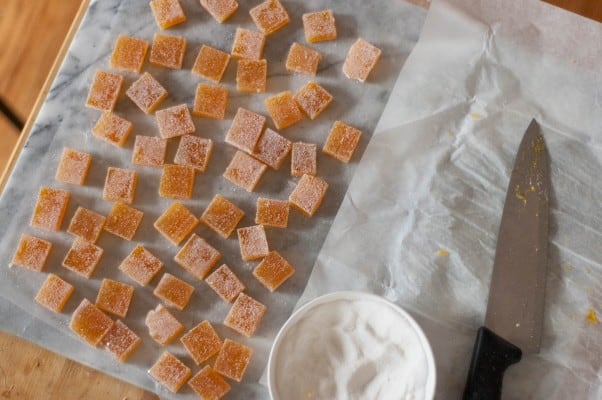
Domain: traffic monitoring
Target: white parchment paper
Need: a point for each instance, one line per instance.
(435, 174)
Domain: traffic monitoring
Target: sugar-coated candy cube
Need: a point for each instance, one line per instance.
(201, 342)
(360, 61)
(32, 253)
(168, 51)
(149, 151)
(83, 257)
(248, 44)
(123, 221)
(273, 270)
(233, 359)
(342, 141)
(222, 216)
(54, 293)
(176, 223)
(210, 101)
(272, 148)
(86, 224)
(120, 341)
(177, 181)
(174, 121)
(220, 10)
(245, 171)
(272, 212)
(251, 76)
(73, 166)
(283, 109)
(225, 283)
(245, 315)
(302, 59)
(167, 13)
(303, 159)
(312, 99)
(114, 297)
(113, 129)
(120, 185)
(141, 265)
(170, 372)
(173, 291)
(104, 91)
(147, 93)
(308, 194)
(194, 152)
(163, 327)
(319, 26)
(89, 323)
(253, 242)
(269, 16)
(211, 63)
(208, 384)
(246, 129)
(197, 256)
(129, 53)
(50, 208)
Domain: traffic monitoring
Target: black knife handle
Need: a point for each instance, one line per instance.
(490, 358)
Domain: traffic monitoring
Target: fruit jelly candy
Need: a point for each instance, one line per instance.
(208, 384)
(177, 181)
(222, 216)
(50, 208)
(251, 76)
(201, 342)
(32, 253)
(303, 159)
(167, 13)
(319, 26)
(123, 221)
(147, 93)
(54, 293)
(86, 224)
(89, 323)
(141, 265)
(245, 171)
(273, 270)
(308, 194)
(225, 283)
(104, 91)
(197, 256)
(113, 129)
(253, 242)
(170, 372)
(194, 151)
(168, 51)
(283, 109)
(121, 341)
(272, 212)
(361, 59)
(149, 151)
(272, 148)
(246, 129)
(83, 257)
(245, 315)
(210, 101)
(342, 141)
(174, 121)
(269, 16)
(233, 359)
(114, 297)
(312, 99)
(173, 291)
(248, 44)
(73, 166)
(120, 185)
(211, 63)
(302, 59)
(162, 326)
(220, 10)
(129, 53)
(176, 223)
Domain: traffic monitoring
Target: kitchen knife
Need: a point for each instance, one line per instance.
(513, 322)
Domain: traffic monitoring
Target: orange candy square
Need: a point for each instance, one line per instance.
(149, 151)
(113, 129)
(211, 63)
(248, 44)
(104, 91)
(50, 209)
(173, 291)
(220, 10)
(121, 341)
(283, 109)
(222, 216)
(253, 242)
(303, 159)
(174, 121)
(141, 265)
(246, 129)
(73, 166)
(114, 297)
(167, 13)
(225, 283)
(32, 253)
(194, 152)
(208, 384)
(86, 224)
(162, 326)
(251, 76)
(303, 60)
(123, 221)
(233, 359)
(269, 16)
(272, 212)
(170, 372)
(210, 101)
(272, 149)
(176, 223)
(147, 93)
(197, 256)
(168, 51)
(273, 270)
(245, 171)
(89, 323)
(312, 99)
(54, 293)
(129, 54)
(319, 26)
(120, 185)
(308, 194)
(83, 257)
(245, 315)
(177, 182)
(342, 141)
(360, 61)
(201, 342)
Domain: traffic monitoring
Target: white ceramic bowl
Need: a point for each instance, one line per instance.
(327, 299)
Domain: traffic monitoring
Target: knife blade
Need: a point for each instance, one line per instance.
(513, 321)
